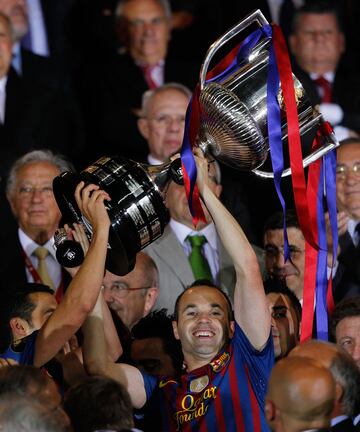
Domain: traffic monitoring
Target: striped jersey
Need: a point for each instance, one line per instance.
(227, 394)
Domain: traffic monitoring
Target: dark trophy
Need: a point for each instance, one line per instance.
(137, 211)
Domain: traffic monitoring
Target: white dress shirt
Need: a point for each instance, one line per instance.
(209, 249)
(53, 266)
(3, 81)
(154, 161)
(39, 42)
(352, 231)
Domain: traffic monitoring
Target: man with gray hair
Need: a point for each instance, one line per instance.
(30, 254)
(162, 120)
(346, 376)
(20, 413)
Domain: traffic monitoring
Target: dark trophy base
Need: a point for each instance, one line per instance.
(137, 212)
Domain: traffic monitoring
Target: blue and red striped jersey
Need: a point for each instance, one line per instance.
(24, 352)
(228, 394)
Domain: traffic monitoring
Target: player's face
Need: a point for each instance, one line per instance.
(149, 355)
(45, 306)
(282, 325)
(204, 324)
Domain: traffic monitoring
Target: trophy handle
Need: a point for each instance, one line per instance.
(331, 144)
(255, 16)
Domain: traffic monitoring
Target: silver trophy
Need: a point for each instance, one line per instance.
(233, 126)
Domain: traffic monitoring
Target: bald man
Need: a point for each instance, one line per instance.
(346, 376)
(300, 396)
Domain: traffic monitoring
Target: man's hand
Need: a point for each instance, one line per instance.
(202, 165)
(90, 200)
(7, 362)
(342, 221)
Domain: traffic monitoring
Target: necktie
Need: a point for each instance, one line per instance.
(325, 87)
(147, 71)
(41, 253)
(198, 262)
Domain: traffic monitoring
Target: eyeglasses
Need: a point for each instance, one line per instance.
(140, 23)
(28, 191)
(166, 120)
(343, 170)
(273, 251)
(122, 290)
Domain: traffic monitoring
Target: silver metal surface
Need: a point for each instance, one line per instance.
(234, 126)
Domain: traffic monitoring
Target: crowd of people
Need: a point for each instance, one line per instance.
(203, 334)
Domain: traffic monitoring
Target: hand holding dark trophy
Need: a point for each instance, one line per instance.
(137, 211)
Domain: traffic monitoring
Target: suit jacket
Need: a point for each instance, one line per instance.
(346, 282)
(175, 273)
(12, 263)
(39, 69)
(344, 426)
(111, 98)
(38, 117)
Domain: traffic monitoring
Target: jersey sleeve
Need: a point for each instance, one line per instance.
(259, 363)
(150, 384)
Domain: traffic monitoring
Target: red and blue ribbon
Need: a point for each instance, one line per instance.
(193, 115)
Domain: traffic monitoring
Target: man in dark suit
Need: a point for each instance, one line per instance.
(112, 98)
(27, 64)
(347, 277)
(317, 43)
(27, 250)
(33, 116)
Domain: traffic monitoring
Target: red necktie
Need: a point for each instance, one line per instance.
(325, 86)
(147, 70)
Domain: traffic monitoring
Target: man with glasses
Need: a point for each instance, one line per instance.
(29, 254)
(291, 271)
(317, 43)
(348, 203)
(132, 296)
(162, 120)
